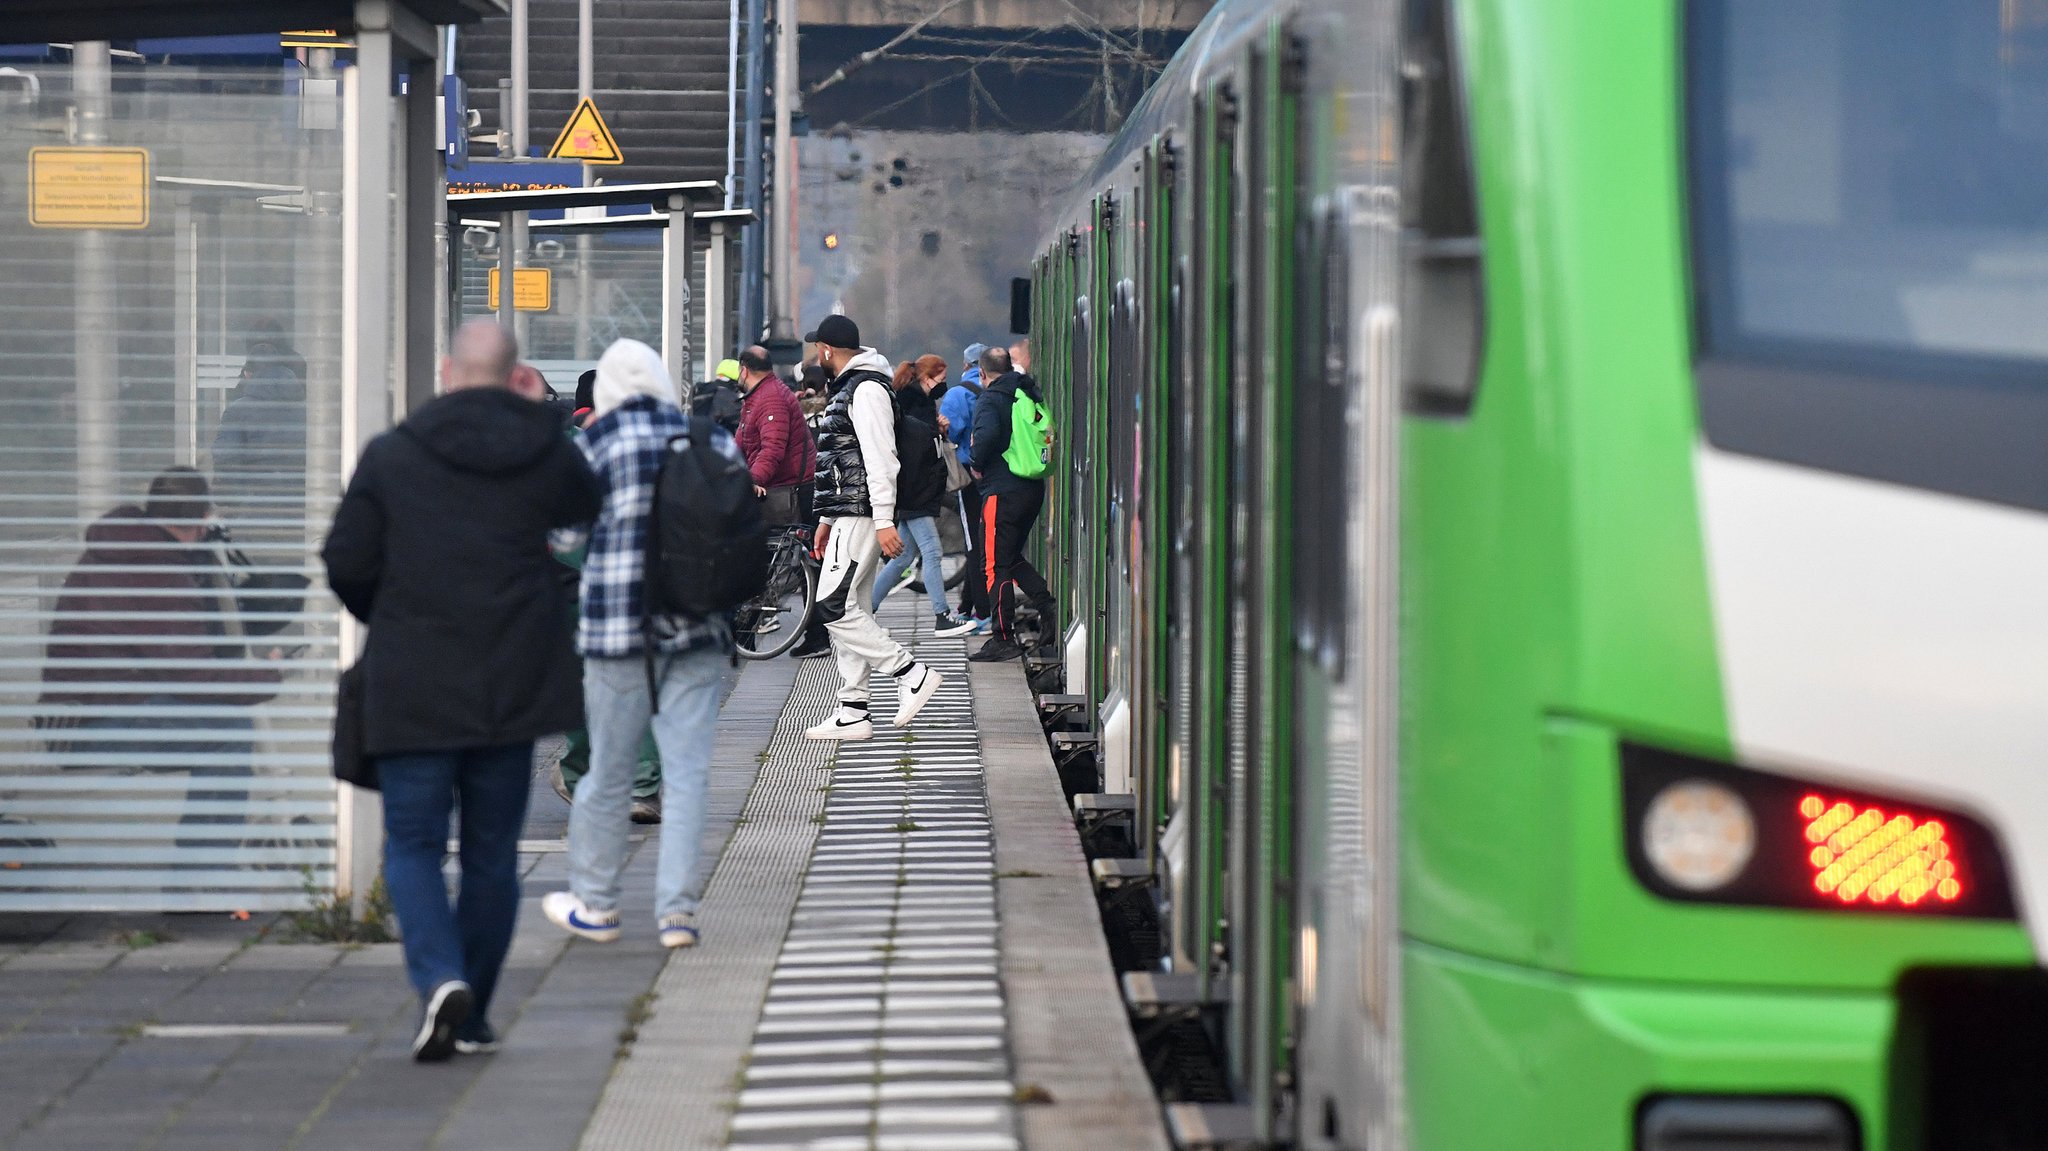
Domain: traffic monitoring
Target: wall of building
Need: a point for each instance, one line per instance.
(930, 227)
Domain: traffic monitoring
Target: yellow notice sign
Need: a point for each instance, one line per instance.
(88, 187)
(533, 289)
(586, 137)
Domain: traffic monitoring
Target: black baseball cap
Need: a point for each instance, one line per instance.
(836, 332)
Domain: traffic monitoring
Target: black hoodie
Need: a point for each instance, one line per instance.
(441, 546)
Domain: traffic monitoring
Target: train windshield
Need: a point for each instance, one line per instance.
(1870, 200)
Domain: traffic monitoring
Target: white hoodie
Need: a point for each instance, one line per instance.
(874, 424)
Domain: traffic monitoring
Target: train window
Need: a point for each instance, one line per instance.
(1444, 301)
(1870, 237)
(1322, 481)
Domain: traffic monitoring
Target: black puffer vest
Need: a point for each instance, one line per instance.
(842, 486)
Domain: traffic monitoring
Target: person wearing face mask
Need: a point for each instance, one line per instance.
(856, 502)
(921, 491)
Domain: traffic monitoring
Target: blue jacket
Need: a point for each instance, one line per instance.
(957, 405)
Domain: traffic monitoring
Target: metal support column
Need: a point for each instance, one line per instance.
(586, 68)
(715, 307)
(366, 355)
(751, 250)
(675, 295)
(514, 229)
(96, 323)
(783, 180)
(421, 231)
(185, 340)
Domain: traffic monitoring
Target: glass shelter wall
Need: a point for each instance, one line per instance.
(170, 455)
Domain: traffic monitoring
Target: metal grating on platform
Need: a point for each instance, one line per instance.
(884, 1026)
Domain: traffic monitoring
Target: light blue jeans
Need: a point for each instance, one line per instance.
(920, 541)
(616, 699)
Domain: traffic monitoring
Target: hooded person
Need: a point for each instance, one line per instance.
(259, 454)
(441, 545)
(958, 406)
(856, 504)
(636, 417)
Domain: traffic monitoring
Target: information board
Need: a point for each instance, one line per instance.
(88, 187)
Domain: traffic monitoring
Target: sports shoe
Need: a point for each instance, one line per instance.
(948, 626)
(982, 624)
(815, 651)
(913, 693)
(447, 1010)
(679, 930)
(844, 724)
(560, 784)
(647, 810)
(476, 1038)
(996, 651)
(567, 912)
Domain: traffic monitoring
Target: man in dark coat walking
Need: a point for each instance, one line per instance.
(440, 545)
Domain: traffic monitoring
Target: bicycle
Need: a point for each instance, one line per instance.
(773, 622)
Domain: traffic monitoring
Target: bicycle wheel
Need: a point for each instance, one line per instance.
(773, 622)
(954, 564)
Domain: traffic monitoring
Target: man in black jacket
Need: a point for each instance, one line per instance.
(440, 545)
(1009, 508)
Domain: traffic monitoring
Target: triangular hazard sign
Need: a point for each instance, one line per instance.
(586, 137)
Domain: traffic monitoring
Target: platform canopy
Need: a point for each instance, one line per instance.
(40, 21)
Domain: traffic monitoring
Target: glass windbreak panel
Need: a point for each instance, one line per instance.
(169, 460)
(1870, 202)
(611, 277)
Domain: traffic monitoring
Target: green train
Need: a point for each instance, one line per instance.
(1552, 506)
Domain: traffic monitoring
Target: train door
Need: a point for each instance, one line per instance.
(1208, 616)
(1261, 751)
(1121, 427)
(1151, 577)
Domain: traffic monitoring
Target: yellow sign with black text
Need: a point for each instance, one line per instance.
(587, 137)
(533, 289)
(88, 187)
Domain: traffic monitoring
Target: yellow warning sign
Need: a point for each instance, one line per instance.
(586, 137)
(533, 289)
(88, 187)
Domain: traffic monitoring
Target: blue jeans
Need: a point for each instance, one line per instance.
(466, 941)
(618, 709)
(920, 541)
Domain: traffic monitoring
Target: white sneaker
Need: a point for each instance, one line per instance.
(567, 912)
(914, 696)
(844, 725)
(679, 930)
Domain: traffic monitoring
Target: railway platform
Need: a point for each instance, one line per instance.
(902, 951)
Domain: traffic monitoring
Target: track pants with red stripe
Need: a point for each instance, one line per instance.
(1006, 522)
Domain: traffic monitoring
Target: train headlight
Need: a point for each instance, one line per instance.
(1698, 835)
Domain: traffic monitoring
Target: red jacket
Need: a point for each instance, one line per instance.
(150, 599)
(774, 438)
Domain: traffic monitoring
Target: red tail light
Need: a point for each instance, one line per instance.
(1868, 855)
(1816, 846)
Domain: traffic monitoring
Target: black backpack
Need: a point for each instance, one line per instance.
(719, 400)
(707, 544)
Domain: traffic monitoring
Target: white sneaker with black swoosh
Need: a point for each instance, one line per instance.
(844, 724)
(914, 688)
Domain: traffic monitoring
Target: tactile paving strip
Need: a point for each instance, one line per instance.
(676, 1089)
(884, 1026)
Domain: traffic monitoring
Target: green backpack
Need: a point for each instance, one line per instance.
(1030, 450)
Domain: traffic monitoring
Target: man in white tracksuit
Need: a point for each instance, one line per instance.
(856, 505)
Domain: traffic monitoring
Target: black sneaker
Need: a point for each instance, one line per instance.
(447, 1010)
(996, 651)
(814, 651)
(948, 626)
(646, 811)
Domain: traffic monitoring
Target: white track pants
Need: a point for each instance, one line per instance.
(846, 587)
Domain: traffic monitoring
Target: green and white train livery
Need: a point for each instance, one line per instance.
(1552, 500)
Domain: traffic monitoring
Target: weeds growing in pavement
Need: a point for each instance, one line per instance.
(908, 825)
(142, 937)
(330, 918)
(1020, 873)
